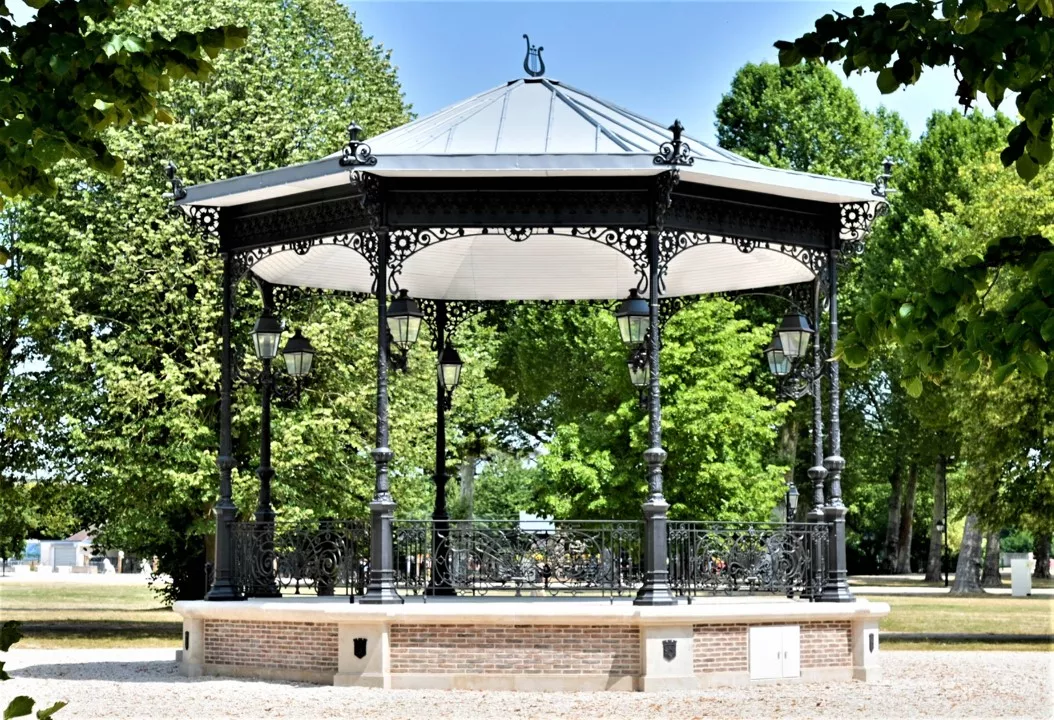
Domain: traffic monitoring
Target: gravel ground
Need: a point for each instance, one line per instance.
(145, 684)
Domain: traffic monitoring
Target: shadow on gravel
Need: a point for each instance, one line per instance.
(110, 671)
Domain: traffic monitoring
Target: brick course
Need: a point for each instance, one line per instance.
(724, 648)
(516, 649)
(289, 645)
(826, 644)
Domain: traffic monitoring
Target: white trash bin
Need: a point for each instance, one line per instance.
(1020, 578)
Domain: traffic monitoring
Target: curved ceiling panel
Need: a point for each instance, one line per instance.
(332, 267)
(721, 267)
(542, 267)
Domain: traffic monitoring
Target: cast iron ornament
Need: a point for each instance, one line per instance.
(669, 650)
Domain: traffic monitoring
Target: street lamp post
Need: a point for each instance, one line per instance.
(791, 501)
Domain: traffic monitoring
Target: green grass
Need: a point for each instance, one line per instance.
(888, 646)
(894, 581)
(1000, 614)
(72, 615)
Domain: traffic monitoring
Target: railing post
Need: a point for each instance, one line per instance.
(655, 589)
(223, 586)
(837, 587)
(381, 589)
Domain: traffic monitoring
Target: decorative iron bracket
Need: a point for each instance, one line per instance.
(457, 312)
(356, 152)
(857, 219)
(286, 390)
(675, 151)
(287, 296)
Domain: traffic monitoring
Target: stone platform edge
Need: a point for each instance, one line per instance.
(552, 612)
(497, 645)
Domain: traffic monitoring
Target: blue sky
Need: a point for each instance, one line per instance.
(664, 60)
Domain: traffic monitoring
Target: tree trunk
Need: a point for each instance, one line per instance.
(990, 574)
(968, 569)
(889, 554)
(936, 555)
(907, 519)
(467, 478)
(1041, 552)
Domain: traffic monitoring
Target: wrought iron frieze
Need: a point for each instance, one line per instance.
(857, 219)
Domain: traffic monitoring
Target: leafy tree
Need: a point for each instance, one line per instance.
(804, 118)
(77, 68)
(718, 430)
(994, 46)
(125, 302)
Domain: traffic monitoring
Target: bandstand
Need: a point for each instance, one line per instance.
(533, 191)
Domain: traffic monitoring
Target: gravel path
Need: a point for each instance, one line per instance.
(145, 684)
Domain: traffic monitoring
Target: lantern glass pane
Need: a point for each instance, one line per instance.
(450, 375)
(638, 375)
(795, 343)
(298, 364)
(404, 330)
(779, 364)
(266, 344)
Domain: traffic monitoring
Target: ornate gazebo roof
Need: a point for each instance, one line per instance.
(564, 175)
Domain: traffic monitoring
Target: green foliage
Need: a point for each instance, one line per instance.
(994, 46)
(21, 705)
(76, 69)
(718, 429)
(123, 304)
(989, 307)
(803, 118)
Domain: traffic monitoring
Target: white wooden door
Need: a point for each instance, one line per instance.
(791, 651)
(774, 652)
(766, 652)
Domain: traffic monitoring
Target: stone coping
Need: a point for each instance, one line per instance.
(723, 610)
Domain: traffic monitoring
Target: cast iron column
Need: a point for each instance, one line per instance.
(837, 587)
(223, 585)
(439, 584)
(265, 585)
(817, 473)
(656, 587)
(381, 589)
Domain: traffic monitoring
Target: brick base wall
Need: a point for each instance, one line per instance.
(827, 644)
(516, 649)
(724, 648)
(287, 645)
(720, 648)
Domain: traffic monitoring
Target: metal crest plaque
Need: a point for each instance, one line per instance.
(669, 650)
(360, 647)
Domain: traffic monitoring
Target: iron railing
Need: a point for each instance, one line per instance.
(325, 558)
(546, 557)
(731, 557)
(533, 557)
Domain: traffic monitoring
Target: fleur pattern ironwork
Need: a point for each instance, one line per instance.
(712, 558)
(364, 243)
(857, 219)
(324, 558)
(481, 556)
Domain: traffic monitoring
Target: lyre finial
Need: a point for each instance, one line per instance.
(533, 53)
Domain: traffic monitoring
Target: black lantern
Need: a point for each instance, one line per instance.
(404, 320)
(267, 333)
(792, 501)
(298, 355)
(449, 368)
(634, 318)
(639, 372)
(779, 363)
(794, 333)
(939, 526)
